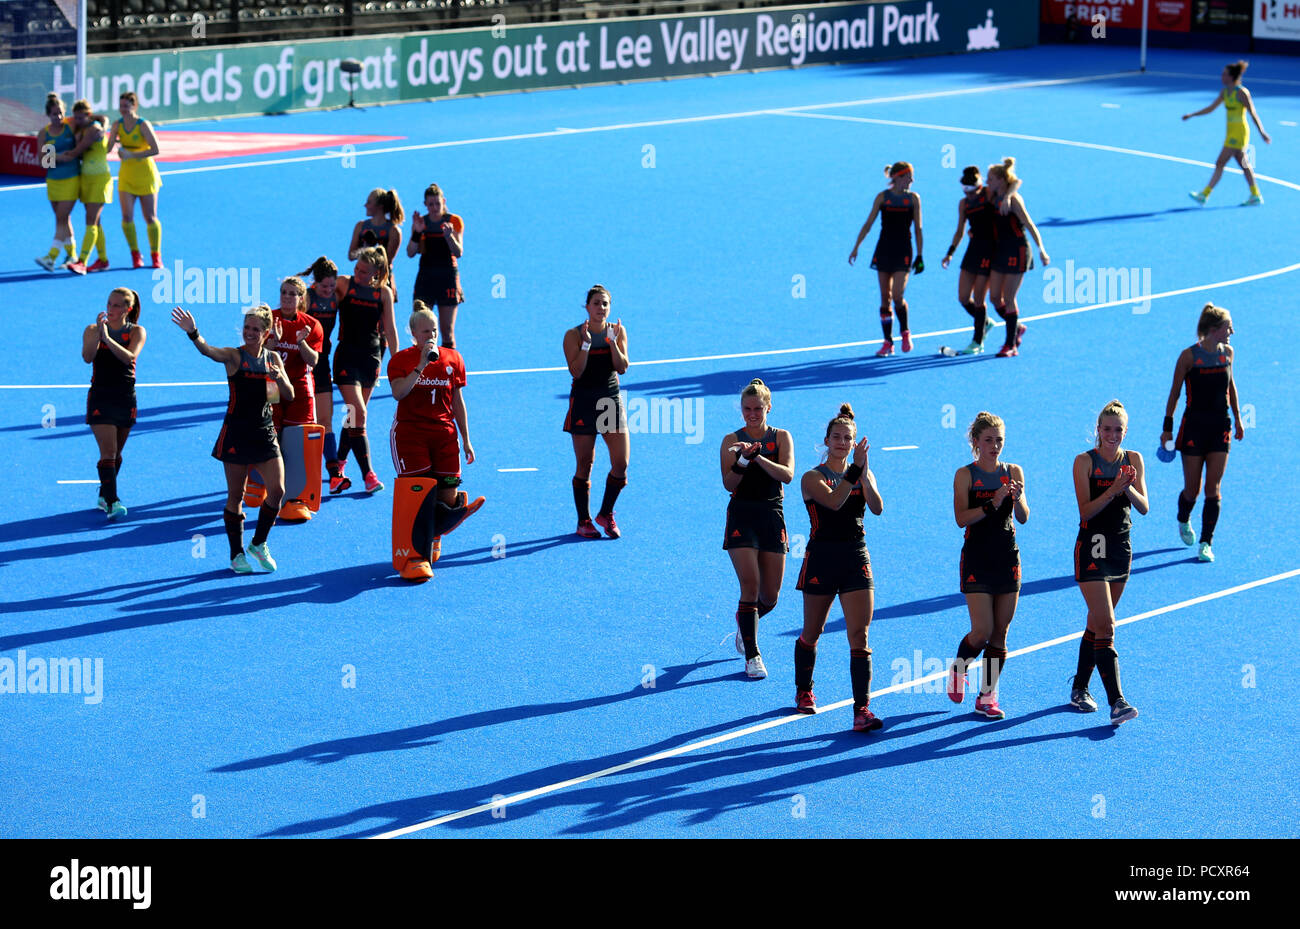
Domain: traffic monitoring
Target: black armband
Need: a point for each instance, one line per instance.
(852, 473)
(194, 336)
(951, 249)
(1169, 424)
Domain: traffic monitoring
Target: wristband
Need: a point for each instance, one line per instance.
(951, 249)
(989, 508)
(194, 336)
(586, 346)
(740, 465)
(1169, 424)
(852, 473)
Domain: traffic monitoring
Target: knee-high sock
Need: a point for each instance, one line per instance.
(101, 242)
(582, 499)
(361, 448)
(128, 232)
(613, 486)
(234, 532)
(88, 242)
(1013, 320)
(969, 307)
(345, 446)
(1107, 660)
(887, 323)
(265, 520)
(805, 659)
(860, 676)
(331, 450)
(1185, 508)
(154, 231)
(1209, 518)
(901, 309)
(1087, 660)
(1000, 309)
(107, 479)
(994, 660)
(966, 653)
(747, 620)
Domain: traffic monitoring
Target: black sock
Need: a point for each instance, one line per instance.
(361, 448)
(107, 480)
(966, 653)
(747, 620)
(900, 308)
(234, 532)
(1087, 660)
(1209, 518)
(1108, 668)
(1013, 319)
(265, 520)
(582, 498)
(1185, 508)
(345, 446)
(1000, 309)
(981, 314)
(805, 659)
(117, 465)
(887, 325)
(860, 676)
(613, 486)
(969, 307)
(994, 661)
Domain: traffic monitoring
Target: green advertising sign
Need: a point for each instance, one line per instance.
(275, 77)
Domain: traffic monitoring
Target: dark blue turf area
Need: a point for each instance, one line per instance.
(533, 657)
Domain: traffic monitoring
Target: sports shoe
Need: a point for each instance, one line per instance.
(101, 265)
(1082, 701)
(755, 668)
(1205, 554)
(102, 503)
(373, 484)
(987, 705)
(1186, 534)
(975, 348)
(988, 326)
(137, 260)
(1021, 329)
(340, 483)
(295, 511)
(956, 685)
(588, 530)
(115, 509)
(1197, 196)
(76, 267)
(157, 259)
(607, 523)
(865, 721)
(1007, 351)
(907, 340)
(261, 556)
(886, 350)
(239, 564)
(1121, 712)
(417, 570)
(46, 262)
(805, 702)
(1253, 200)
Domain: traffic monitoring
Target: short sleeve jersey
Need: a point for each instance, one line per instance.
(430, 400)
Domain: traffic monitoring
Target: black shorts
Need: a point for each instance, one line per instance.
(978, 259)
(243, 443)
(1013, 257)
(756, 524)
(595, 413)
(102, 410)
(439, 287)
(994, 576)
(1199, 434)
(321, 372)
(835, 568)
(1102, 556)
(355, 367)
(892, 257)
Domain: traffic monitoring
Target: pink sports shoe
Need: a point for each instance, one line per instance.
(907, 340)
(865, 721)
(987, 705)
(886, 350)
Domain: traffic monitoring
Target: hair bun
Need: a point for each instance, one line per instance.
(846, 411)
(1008, 162)
(758, 381)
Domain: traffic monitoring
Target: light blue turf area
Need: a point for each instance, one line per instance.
(528, 660)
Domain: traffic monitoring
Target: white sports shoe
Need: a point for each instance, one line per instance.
(755, 668)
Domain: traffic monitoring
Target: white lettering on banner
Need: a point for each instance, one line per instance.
(1112, 12)
(444, 66)
(706, 42)
(909, 29)
(796, 41)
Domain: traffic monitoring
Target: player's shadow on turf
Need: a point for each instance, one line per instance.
(513, 550)
(17, 277)
(1059, 221)
(671, 678)
(148, 420)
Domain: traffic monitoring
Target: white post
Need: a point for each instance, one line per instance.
(1145, 7)
(81, 49)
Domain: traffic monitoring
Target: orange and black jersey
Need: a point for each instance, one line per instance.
(896, 211)
(1006, 228)
(324, 310)
(249, 403)
(110, 377)
(842, 525)
(434, 250)
(1101, 475)
(361, 319)
(599, 376)
(979, 210)
(755, 483)
(995, 532)
(1207, 382)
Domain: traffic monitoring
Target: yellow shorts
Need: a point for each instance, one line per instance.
(138, 176)
(1238, 137)
(61, 190)
(97, 188)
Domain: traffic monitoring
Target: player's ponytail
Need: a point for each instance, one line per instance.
(392, 205)
(132, 303)
(1237, 69)
(756, 388)
(1212, 317)
(320, 269)
(377, 258)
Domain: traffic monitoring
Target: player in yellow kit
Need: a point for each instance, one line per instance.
(1237, 101)
(138, 178)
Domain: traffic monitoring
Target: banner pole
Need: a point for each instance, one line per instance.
(81, 49)
(1142, 64)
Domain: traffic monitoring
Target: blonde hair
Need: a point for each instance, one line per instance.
(377, 258)
(897, 168)
(756, 388)
(390, 203)
(984, 420)
(421, 311)
(262, 313)
(1005, 171)
(299, 285)
(1212, 317)
(845, 416)
(1116, 409)
(132, 303)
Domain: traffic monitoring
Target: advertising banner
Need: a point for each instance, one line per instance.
(1277, 19)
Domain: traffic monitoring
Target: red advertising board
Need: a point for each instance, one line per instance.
(19, 155)
(1164, 15)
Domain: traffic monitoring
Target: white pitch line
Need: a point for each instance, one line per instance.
(427, 146)
(514, 470)
(1285, 122)
(1111, 106)
(899, 448)
(1202, 77)
(798, 717)
(77, 482)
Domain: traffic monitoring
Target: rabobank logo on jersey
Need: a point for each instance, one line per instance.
(434, 381)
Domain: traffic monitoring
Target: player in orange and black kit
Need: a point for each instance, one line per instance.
(899, 208)
(836, 562)
(247, 436)
(1012, 258)
(112, 346)
(382, 228)
(596, 352)
(427, 382)
(366, 322)
(976, 207)
(1107, 480)
(1205, 433)
(985, 494)
(439, 239)
(757, 461)
(323, 306)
